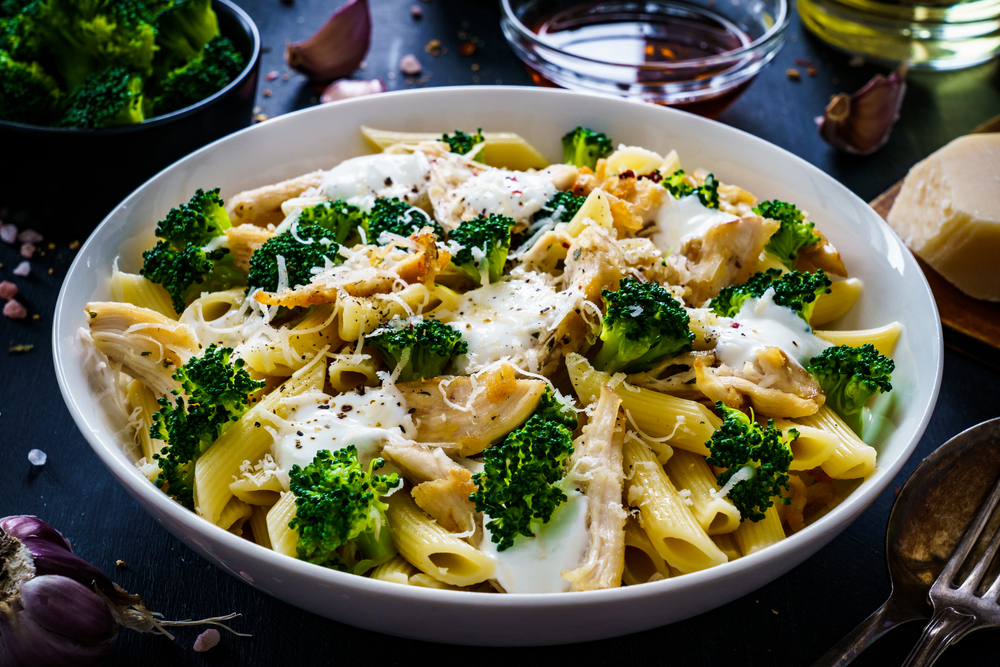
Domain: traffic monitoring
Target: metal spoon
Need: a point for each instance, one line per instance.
(927, 521)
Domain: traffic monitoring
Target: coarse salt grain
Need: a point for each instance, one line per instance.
(14, 310)
(22, 269)
(8, 232)
(8, 290)
(37, 457)
(409, 65)
(207, 640)
(27, 250)
(30, 236)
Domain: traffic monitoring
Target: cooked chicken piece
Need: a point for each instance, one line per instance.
(641, 197)
(563, 176)
(262, 206)
(244, 241)
(681, 385)
(585, 182)
(442, 487)
(544, 256)
(728, 254)
(774, 385)
(597, 462)
(824, 256)
(148, 345)
(593, 263)
(375, 270)
(463, 415)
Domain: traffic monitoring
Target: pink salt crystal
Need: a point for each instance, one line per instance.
(29, 236)
(23, 269)
(27, 250)
(409, 65)
(14, 310)
(206, 640)
(8, 290)
(416, 12)
(272, 75)
(8, 232)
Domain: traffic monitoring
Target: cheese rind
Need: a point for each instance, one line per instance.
(948, 213)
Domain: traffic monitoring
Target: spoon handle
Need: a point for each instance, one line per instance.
(857, 640)
(945, 628)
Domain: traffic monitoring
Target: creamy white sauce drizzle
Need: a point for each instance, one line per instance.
(367, 422)
(516, 194)
(534, 565)
(680, 220)
(360, 180)
(763, 323)
(510, 318)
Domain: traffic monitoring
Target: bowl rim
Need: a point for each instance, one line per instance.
(781, 22)
(252, 62)
(198, 530)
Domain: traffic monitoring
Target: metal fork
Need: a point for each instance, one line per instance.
(957, 609)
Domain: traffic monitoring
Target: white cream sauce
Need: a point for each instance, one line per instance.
(516, 194)
(360, 180)
(763, 323)
(511, 318)
(534, 565)
(680, 220)
(366, 421)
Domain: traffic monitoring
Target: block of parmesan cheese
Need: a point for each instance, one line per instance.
(948, 213)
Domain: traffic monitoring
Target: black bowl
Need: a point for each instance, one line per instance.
(64, 181)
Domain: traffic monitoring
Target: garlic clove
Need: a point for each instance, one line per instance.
(338, 47)
(47, 599)
(861, 122)
(345, 89)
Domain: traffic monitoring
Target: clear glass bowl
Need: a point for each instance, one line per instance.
(699, 55)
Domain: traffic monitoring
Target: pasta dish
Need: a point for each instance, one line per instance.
(451, 364)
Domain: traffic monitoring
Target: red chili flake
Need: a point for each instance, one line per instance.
(654, 176)
(466, 48)
(628, 173)
(516, 192)
(735, 325)
(802, 62)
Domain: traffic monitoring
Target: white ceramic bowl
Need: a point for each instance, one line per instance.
(320, 137)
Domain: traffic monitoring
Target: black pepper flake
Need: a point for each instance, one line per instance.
(299, 433)
(346, 407)
(411, 411)
(324, 406)
(257, 424)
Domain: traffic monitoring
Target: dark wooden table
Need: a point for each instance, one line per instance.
(789, 622)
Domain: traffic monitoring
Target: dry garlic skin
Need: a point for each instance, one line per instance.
(948, 213)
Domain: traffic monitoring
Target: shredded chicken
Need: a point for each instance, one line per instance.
(823, 256)
(148, 346)
(244, 241)
(774, 385)
(462, 416)
(262, 206)
(640, 197)
(597, 464)
(442, 486)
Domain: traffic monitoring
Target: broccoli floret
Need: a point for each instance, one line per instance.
(518, 484)
(393, 215)
(27, 93)
(485, 243)
(849, 376)
(216, 392)
(180, 260)
(756, 461)
(338, 514)
(427, 347)
(794, 290)
(561, 208)
(463, 143)
(90, 36)
(555, 407)
(643, 325)
(183, 29)
(201, 77)
(302, 248)
(108, 98)
(341, 219)
(708, 191)
(583, 147)
(23, 29)
(793, 235)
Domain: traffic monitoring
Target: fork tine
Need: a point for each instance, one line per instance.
(976, 576)
(971, 536)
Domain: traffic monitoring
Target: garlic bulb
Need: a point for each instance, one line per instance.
(338, 47)
(860, 123)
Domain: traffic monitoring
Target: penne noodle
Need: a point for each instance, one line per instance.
(642, 562)
(727, 544)
(851, 458)
(234, 514)
(596, 209)
(258, 525)
(396, 570)
(812, 448)
(753, 536)
(254, 492)
(716, 515)
(501, 149)
(142, 404)
(141, 292)
(283, 538)
(883, 338)
(830, 306)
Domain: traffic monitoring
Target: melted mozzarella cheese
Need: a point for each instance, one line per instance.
(680, 220)
(516, 194)
(366, 421)
(511, 318)
(534, 564)
(763, 323)
(360, 180)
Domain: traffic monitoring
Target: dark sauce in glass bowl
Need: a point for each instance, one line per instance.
(646, 36)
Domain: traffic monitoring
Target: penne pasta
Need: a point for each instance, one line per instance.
(396, 570)
(595, 210)
(842, 296)
(667, 520)
(143, 405)
(348, 371)
(690, 472)
(233, 516)
(851, 458)
(753, 536)
(643, 563)
(727, 544)
(501, 149)
(283, 538)
(812, 448)
(138, 291)
(258, 525)
(255, 491)
(883, 338)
